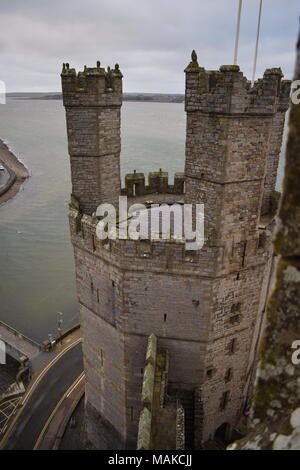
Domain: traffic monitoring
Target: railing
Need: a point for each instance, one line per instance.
(68, 331)
(20, 335)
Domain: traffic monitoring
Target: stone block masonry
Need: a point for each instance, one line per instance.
(92, 99)
(204, 307)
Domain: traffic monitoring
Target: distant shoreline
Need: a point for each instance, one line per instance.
(137, 97)
(16, 168)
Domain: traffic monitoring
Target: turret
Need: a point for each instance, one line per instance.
(93, 99)
(233, 138)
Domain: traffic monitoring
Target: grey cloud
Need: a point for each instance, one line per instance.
(150, 39)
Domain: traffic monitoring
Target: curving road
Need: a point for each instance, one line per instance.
(24, 431)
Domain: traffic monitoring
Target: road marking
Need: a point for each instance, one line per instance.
(34, 386)
(65, 395)
(8, 406)
(43, 373)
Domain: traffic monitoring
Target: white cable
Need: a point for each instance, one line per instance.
(237, 34)
(256, 45)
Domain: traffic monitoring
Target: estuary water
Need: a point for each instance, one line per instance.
(36, 260)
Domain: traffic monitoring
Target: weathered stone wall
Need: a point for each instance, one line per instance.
(105, 390)
(171, 294)
(127, 310)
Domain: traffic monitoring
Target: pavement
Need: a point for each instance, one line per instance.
(18, 344)
(74, 437)
(4, 177)
(50, 389)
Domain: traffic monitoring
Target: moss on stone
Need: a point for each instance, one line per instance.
(229, 68)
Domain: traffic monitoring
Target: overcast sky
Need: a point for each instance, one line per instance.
(150, 39)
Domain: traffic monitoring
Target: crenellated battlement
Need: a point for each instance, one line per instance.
(158, 182)
(94, 86)
(173, 254)
(227, 91)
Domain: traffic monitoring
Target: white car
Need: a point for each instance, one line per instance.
(2, 168)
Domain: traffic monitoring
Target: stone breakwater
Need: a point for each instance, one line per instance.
(17, 170)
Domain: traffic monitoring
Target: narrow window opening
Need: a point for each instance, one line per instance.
(224, 400)
(244, 253)
(93, 243)
(165, 317)
(237, 276)
(98, 295)
(232, 346)
(228, 375)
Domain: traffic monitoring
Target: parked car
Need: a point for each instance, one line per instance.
(2, 168)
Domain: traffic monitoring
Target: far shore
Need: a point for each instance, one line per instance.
(17, 167)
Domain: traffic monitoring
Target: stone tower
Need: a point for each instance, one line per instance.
(93, 100)
(205, 307)
(234, 135)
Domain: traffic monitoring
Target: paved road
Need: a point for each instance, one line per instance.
(33, 415)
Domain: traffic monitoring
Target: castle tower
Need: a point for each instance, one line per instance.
(204, 306)
(234, 135)
(93, 99)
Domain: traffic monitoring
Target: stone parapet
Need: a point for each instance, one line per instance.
(135, 184)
